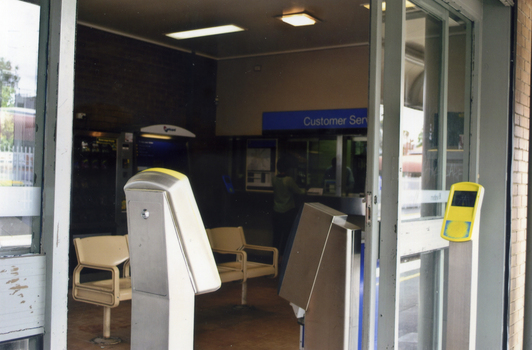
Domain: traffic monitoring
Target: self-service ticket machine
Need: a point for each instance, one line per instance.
(322, 278)
(171, 259)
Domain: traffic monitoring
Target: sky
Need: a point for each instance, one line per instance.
(19, 39)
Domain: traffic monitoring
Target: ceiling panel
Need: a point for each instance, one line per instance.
(342, 23)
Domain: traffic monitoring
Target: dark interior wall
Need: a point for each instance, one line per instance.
(122, 84)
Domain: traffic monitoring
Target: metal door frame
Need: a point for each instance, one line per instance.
(380, 245)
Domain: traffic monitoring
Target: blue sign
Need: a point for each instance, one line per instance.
(353, 118)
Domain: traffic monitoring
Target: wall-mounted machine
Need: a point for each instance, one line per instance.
(154, 146)
(171, 259)
(462, 213)
(461, 228)
(103, 162)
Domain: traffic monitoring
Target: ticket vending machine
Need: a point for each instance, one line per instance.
(322, 279)
(171, 259)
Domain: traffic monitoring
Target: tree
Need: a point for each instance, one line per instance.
(7, 127)
(8, 82)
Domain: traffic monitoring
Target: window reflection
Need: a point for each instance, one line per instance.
(432, 131)
(19, 39)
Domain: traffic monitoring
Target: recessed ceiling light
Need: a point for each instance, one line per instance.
(408, 6)
(231, 28)
(298, 19)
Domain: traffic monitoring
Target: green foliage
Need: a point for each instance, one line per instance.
(7, 129)
(8, 82)
(8, 96)
(420, 139)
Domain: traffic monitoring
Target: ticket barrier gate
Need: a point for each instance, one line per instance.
(171, 259)
(322, 278)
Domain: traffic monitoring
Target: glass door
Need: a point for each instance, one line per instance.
(423, 149)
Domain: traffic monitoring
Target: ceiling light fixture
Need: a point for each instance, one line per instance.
(408, 5)
(188, 34)
(298, 19)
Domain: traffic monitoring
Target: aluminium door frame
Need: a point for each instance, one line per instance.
(385, 245)
(373, 200)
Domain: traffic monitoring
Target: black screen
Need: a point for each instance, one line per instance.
(464, 199)
(154, 153)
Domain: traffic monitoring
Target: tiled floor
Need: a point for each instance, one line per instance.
(269, 324)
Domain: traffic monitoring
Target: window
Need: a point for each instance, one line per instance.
(20, 187)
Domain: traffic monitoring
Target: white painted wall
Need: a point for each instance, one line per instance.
(22, 296)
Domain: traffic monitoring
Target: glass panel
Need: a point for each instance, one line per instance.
(295, 150)
(20, 204)
(315, 161)
(436, 85)
(421, 176)
(357, 148)
(421, 126)
(458, 105)
(322, 154)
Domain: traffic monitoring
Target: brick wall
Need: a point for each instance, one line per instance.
(122, 84)
(520, 175)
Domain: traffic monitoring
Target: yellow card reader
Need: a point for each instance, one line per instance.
(462, 214)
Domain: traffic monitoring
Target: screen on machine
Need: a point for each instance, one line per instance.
(170, 154)
(464, 199)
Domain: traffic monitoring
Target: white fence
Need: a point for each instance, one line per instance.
(16, 166)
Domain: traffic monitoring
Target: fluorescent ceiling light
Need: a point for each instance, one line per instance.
(298, 19)
(230, 28)
(408, 6)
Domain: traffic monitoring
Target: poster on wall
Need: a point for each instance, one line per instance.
(260, 164)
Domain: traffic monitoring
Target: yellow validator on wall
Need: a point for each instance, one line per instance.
(462, 215)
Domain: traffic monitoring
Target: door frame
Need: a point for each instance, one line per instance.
(488, 48)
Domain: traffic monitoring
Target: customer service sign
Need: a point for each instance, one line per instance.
(318, 120)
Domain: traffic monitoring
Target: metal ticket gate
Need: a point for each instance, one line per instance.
(322, 278)
(171, 259)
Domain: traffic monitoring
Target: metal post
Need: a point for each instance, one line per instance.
(244, 293)
(461, 303)
(106, 322)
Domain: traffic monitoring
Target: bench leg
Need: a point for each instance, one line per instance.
(106, 322)
(106, 339)
(244, 293)
(244, 301)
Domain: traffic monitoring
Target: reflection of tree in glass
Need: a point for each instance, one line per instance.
(8, 82)
(7, 129)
